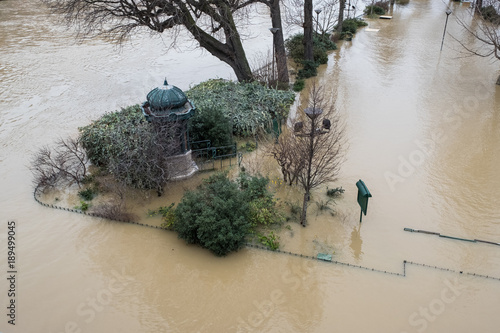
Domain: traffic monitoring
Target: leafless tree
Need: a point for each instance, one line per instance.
(287, 157)
(66, 163)
(210, 22)
(486, 32)
(313, 154)
(325, 21)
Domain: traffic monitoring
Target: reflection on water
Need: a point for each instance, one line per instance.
(430, 118)
(356, 243)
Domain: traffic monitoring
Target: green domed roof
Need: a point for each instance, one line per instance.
(166, 97)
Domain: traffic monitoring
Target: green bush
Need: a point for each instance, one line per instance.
(350, 26)
(250, 107)
(377, 10)
(321, 44)
(254, 187)
(215, 216)
(211, 124)
(310, 69)
(88, 194)
(249, 146)
(83, 206)
(167, 214)
(489, 13)
(262, 205)
(271, 241)
(101, 139)
(299, 84)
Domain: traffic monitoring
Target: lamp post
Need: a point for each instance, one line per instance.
(317, 19)
(448, 12)
(313, 114)
(273, 31)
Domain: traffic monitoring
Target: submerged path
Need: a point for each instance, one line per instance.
(299, 255)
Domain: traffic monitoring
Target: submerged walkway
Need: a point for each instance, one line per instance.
(299, 255)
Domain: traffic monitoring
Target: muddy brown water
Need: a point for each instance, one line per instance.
(423, 130)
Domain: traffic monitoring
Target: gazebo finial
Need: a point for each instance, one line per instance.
(165, 83)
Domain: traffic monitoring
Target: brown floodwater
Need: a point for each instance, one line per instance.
(423, 132)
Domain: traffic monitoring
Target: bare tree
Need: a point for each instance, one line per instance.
(313, 154)
(288, 159)
(325, 21)
(114, 210)
(486, 32)
(210, 22)
(66, 163)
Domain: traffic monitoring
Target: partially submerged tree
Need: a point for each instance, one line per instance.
(308, 30)
(313, 154)
(211, 23)
(487, 32)
(278, 41)
(66, 163)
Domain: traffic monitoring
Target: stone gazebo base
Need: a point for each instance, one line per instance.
(182, 166)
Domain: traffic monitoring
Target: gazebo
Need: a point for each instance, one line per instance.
(169, 104)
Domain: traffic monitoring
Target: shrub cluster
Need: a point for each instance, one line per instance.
(350, 26)
(211, 124)
(375, 9)
(321, 44)
(489, 13)
(249, 107)
(220, 213)
(214, 216)
(295, 47)
(101, 138)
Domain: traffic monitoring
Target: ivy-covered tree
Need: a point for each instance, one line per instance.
(134, 151)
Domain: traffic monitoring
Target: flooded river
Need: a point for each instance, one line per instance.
(423, 128)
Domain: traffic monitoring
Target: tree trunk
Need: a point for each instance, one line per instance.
(341, 18)
(478, 6)
(308, 30)
(279, 43)
(304, 210)
(232, 52)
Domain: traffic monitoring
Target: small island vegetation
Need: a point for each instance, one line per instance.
(122, 151)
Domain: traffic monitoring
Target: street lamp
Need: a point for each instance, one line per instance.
(448, 12)
(273, 31)
(315, 130)
(317, 19)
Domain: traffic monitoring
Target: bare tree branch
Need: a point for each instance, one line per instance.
(66, 163)
(484, 31)
(116, 20)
